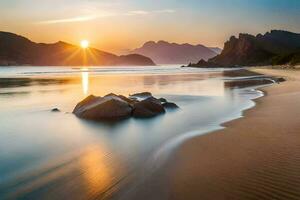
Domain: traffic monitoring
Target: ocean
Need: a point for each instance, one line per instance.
(55, 155)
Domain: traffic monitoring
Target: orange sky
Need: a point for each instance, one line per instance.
(112, 34)
(117, 25)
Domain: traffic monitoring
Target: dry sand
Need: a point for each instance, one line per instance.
(255, 157)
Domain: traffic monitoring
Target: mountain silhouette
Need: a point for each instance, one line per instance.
(276, 47)
(18, 50)
(163, 52)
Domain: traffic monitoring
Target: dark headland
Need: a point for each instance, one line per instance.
(17, 50)
(273, 48)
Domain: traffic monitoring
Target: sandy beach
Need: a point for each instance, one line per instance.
(254, 157)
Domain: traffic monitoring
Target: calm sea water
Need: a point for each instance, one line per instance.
(46, 155)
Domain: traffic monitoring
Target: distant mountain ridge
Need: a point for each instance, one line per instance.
(18, 50)
(276, 47)
(163, 52)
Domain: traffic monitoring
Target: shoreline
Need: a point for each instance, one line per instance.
(253, 157)
(252, 172)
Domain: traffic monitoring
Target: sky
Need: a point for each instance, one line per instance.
(119, 25)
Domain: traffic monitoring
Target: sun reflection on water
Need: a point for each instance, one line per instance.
(85, 80)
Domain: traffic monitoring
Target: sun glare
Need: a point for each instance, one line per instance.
(85, 80)
(84, 44)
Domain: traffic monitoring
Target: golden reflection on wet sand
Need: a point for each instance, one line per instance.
(97, 174)
(91, 168)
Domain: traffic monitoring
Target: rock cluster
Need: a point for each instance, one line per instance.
(116, 107)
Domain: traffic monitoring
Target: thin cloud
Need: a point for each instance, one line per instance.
(137, 12)
(145, 12)
(69, 20)
(107, 14)
(165, 11)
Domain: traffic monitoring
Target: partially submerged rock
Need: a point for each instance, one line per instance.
(130, 101)
(115, 107)
(149, 107)
(55, 110)
(142, 95)
(170, 105)
(85, 102)
(278, 79)
(162, 100)
(103, 108)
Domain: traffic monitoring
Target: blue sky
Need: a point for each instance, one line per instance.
(116, 25)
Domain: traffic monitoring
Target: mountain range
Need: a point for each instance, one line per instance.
(17, 50)
(276, 47)
(163, 52)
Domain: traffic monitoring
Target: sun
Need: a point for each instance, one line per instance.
(84, 44)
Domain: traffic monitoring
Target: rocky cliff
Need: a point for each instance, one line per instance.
(275, 47)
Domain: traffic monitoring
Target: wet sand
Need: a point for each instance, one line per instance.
(254, 157)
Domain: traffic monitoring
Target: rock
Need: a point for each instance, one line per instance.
(121, 97)
(85, 102)
(55, 110)
(278, 79)
(130, 101)
(111, 95)
(141, 95)
(149, 107)
(162, 100)
(154, 100)
(133, 98)
(170, 105)
(110, 107)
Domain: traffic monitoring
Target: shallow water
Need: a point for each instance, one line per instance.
(46, 155)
